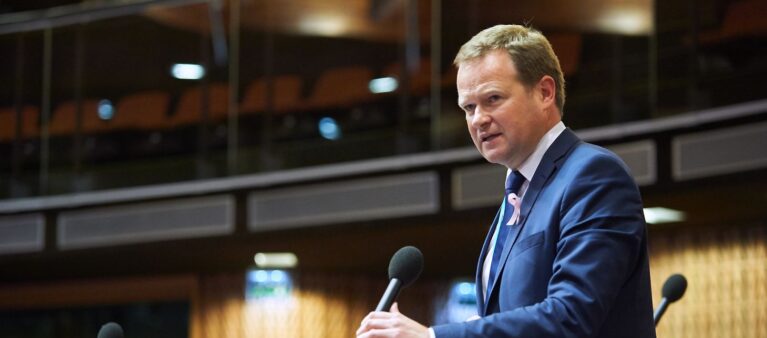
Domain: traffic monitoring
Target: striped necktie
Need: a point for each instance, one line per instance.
(513, 183)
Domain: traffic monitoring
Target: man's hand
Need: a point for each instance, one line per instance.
(390, 324)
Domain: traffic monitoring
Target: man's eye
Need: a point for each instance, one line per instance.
(469, 108)
(493, 98)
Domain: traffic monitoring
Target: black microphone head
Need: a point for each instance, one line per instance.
(110, 330)
(406, 265)
(674, 287)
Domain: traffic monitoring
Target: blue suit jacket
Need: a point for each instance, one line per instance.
(575, 265)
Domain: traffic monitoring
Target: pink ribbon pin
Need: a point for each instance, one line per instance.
(515, 201)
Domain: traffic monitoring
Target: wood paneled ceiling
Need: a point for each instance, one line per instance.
(385, 20)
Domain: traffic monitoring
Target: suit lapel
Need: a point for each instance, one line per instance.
(546, 168)
(481, 306)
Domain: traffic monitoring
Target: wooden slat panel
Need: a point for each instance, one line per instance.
(96, 292)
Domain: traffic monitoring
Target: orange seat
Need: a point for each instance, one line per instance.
(254, 98)
(568, 50)
(341, 87)
(286, 97)
(92, 122)
(30, 126)
(64, 118)
(62, 121)
(742, 18)
(143, 110)
(189, 108)
(420, 77)
(448, 79)
(746, 17)
(7, 124)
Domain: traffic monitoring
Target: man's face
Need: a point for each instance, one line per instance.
(505, 119)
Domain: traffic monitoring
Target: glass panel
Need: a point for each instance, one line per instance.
(329, 82)
(710, 54)
(326, 82)
(20, 106)
(122, 116)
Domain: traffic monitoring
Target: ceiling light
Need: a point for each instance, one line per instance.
(626, 21)
(657, 215)
(329, 129)
(259, 276)
(327, 25)
(187, 71)
(268, 285)
(276, 260)
(466, 288)
(106, 110)
(383, 85)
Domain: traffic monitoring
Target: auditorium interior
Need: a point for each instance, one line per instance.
(247, 168)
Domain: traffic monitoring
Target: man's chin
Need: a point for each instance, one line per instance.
(493, 157)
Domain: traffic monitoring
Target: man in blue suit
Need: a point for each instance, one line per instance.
(566, 254)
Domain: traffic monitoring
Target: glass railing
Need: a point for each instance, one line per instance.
(174, 91)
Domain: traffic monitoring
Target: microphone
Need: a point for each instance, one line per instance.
(404, 268)
(110, 330)
(673, 290)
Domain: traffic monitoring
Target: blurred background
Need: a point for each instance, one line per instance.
(246, 168)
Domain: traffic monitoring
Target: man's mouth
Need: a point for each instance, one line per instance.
(490, 137)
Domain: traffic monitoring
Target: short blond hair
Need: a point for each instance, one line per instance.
(530, 51)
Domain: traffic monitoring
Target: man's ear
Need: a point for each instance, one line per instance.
(547, 91)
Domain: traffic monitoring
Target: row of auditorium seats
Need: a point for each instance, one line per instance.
(155, 110)
(341, 88)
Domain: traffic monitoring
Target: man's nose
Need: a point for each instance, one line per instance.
(480, 118)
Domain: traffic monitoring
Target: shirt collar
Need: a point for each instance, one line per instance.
(530, 165)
